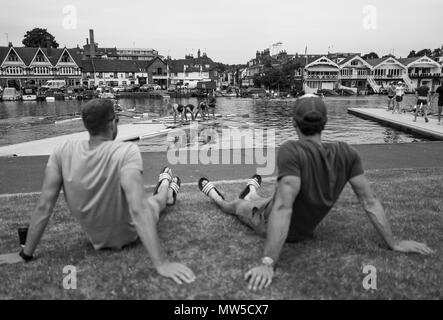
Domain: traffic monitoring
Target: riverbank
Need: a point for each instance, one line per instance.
(25, 174)
(219, 249)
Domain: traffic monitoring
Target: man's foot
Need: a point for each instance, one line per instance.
(209, 189)
(164, 179)
(251, 188)
(427, 120)
(174, 188)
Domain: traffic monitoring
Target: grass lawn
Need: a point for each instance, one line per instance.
(220, 250)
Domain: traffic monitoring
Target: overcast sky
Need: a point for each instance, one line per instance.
(232, 30)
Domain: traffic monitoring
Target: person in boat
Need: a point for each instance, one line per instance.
(203, 109)
(178, 109)
(103, 187)
(311, 177)
(211, 104)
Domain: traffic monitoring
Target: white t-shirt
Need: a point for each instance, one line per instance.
(400, 91)
(91, 184)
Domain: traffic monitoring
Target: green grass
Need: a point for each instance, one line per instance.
(220, 250)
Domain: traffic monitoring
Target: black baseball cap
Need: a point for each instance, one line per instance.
(310, 109)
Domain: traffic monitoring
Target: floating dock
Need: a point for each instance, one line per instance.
(126, 132)
(404, 122)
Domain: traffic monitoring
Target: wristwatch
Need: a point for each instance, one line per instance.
(267, 261)
(25, 257)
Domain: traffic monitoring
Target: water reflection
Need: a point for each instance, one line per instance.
(23, 121)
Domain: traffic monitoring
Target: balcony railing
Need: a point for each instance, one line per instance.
(387, 76)
(424, 75)
(322, 77)
(354, 76)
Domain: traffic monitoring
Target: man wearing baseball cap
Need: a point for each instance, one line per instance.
(311, 177)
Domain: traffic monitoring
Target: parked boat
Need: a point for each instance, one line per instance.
(11, 94)
(30, 93)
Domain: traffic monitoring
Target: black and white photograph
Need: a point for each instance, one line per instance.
(245, 152)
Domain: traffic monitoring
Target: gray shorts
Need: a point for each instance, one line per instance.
(255, 214)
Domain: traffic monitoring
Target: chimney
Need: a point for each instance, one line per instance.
(87, 41)
(10, 44)
(198, 53)
(91, 39)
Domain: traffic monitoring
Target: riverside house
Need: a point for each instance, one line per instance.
(21, 64)
(113, 73)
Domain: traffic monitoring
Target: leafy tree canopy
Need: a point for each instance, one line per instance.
(39, 37)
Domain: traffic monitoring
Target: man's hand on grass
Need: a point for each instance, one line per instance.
(259, 277)
(176, 272)
(412, 247)
(10, 258)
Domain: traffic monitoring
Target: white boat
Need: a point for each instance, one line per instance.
(106, 95)
(10, 94)
(50, 99)
(29, 94)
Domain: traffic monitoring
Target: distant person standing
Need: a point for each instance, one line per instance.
(423, 95)
(211, 104)
(391, 95)
(399, 93)
(440, 102)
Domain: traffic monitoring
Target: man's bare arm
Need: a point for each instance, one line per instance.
(40, 217)
(288, 188)
(280, 217)
(376, 214)
(145, 220)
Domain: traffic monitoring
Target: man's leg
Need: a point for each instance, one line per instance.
(440, 108)
(252, 211)
(416, 112)
(163, 196)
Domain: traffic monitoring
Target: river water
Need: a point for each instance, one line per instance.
(25, 121)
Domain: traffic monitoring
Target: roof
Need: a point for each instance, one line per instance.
(176, 66)
(407, 61)
(376, 62)
(106, 65)
(3, 52)
(28, 54)
(348, 59)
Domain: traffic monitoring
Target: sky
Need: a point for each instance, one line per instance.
(231, 31)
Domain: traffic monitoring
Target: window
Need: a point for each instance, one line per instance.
(124, 83)
(159, 71)
(12, 57)
(40, 57)
(354, 63)
(66, 58)
(115, 75)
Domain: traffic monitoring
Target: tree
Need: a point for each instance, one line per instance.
(412, 54)
(39, 37)
(371, 55)
(424, 52)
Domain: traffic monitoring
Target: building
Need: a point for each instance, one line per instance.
(19, 65)
(320, 73)
(99, 72)
(192, 70)
(386, 70)
(423, 71)
(156, 70)
(354, 72)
